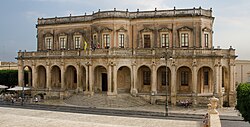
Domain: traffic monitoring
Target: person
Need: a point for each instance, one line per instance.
(36, 99)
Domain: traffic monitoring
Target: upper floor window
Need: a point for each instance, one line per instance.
(147, 41)
(77, 40)
(206, 40)
(48, 43)
(184, 78)
(184, 39)
(62, 42)
(106, 40)
(121, 40)
(164, 40)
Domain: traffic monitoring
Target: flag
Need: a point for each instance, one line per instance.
(85, 45)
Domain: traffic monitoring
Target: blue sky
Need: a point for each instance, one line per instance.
(19, 17)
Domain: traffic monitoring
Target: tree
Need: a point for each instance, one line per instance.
(243, 100)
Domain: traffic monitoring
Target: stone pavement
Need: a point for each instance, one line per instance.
(15, 117)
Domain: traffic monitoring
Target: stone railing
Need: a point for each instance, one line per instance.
(128, 52)
(126, 14)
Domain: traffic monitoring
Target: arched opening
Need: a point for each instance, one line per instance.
(184, 80)
(28, 76)
(41, 77)
(161, 79)
(124, 80)
(205, 80)
(56, 77)
(71, 78)
(225, 85)
(144, 79)
(101, 79)
(83, 78)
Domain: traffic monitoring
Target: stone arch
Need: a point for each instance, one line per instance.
(205, 80)
(124, 79)
(184, 79)
(42, 77)
(144, 79)
(83, 78)
(55, 77)
(71, 77)
(161, 79)
(28, 76)
(100, 79)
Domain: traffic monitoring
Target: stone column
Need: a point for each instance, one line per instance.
(63, 87)
(232, 93)
(115, 80)
(173, 84)
(153, 79)
(87, 79)
(91, 80)
(34, 76)
(218, 83)
(194, 82)
(109, 79)
(48, 76)
(133, 79)
(20, 73)
(78, 72)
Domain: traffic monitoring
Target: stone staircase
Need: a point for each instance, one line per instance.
(104, 101)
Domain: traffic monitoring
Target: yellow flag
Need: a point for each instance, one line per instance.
(85, 45)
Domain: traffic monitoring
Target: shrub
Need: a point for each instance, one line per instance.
(243, 100)
(9, 77)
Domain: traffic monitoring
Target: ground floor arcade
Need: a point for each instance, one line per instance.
(193, 79)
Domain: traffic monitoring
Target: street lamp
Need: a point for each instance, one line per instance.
(21, 57)
(167, 56)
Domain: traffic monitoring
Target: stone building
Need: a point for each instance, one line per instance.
(242, 74)
(113, 52)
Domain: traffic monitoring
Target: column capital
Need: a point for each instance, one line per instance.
(111, 63)
(48, 63)
(88, 64)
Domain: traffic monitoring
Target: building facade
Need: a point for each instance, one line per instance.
(242, 71)
(145, 53)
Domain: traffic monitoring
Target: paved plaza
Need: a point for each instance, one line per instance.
(15, 117)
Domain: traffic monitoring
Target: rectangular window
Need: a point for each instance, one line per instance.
(121, 40)
(146, 78)
(206, 40)
(147, 41)
(184, 40)
(63, 43)
(206, 78)
(48, 43)
(77, 43)
(164, 40)
(106, 40)
(184, 78)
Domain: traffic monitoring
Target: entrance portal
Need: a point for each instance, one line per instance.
(104, 82)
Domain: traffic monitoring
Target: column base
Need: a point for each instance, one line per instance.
(134, 92)
(232, 99)
(173, 100)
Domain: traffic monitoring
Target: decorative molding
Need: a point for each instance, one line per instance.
(146, 29)
(185, 28)
(164, 29)
(106, 29)
(205, 29)
(122, 29)
(48, 34)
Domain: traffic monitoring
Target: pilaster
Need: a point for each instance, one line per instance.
(153, 79)
(173, 84)
(48, 78)
(194, 82)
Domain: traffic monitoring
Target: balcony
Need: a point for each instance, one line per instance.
(127, 53)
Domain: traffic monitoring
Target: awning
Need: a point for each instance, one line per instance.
(18, 88)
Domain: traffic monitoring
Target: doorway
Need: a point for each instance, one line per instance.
(104, 82)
